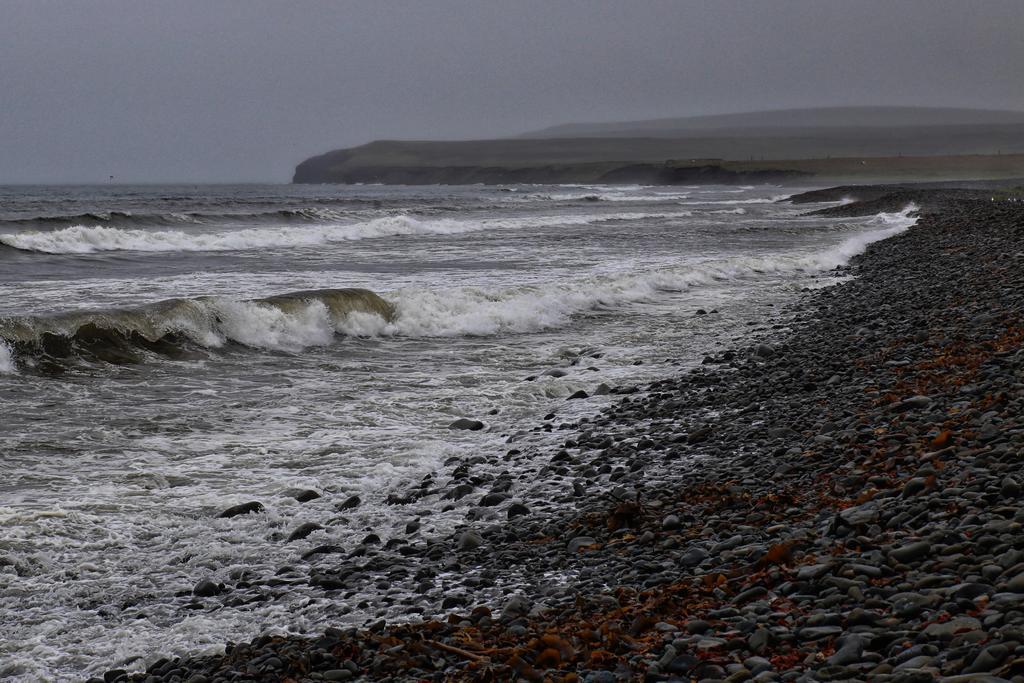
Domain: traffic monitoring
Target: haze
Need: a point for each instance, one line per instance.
(242, 91)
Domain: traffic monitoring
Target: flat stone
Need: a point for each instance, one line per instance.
(578, 543)
(467, 424)
(911, 552)
(818, 632)
(952, 627)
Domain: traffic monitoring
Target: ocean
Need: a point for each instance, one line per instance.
(167, 352)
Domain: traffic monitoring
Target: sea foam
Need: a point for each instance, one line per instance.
(7, 366)
(472, 311)
(84, 239)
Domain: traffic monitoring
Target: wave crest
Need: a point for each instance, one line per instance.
(178, 327)
(83, 239)
(473, 311)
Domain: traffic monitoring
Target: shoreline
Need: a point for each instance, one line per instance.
(815, 500)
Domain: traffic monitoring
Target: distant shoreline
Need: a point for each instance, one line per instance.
(339, 168)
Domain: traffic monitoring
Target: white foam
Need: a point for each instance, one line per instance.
(83, 239)
(738, 211)
(7, 366)
(215, 322)
(618, 195)
(474, 311)
(268, 327)
(886, 224)
(729, 202)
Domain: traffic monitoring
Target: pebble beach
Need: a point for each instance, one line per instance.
(836, 497)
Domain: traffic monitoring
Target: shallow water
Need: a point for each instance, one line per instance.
(114, 472)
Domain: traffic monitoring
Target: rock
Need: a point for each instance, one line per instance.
(305, 495)
(759, 640)
(911, 552)
(693, 557)
(578, 543)
(469, 540)
(697, 626)
(952, 627)
(494, 498)
(350, 503)
(1016, 584)
(242, 509)
(989, 658)
(915, 486)
(517, 606)
(517, 510)
(812, 572)
(303, 531)
(698, 435)
(467, 424)
(338, 675)
(913, 403)
(205, 589)
(764, 351)
(459, 492)
(850, 649)
(970, 591)
(577, 395)
(818, 632)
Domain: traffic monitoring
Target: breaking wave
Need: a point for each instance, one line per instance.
(129, 219)
(83, 239)
(179, 327)
(292, 322)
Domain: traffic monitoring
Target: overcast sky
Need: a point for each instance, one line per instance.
(243, 90)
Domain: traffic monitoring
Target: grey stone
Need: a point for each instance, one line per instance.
(467, 424)
(911, 552)
(578, 543)
(469, 540)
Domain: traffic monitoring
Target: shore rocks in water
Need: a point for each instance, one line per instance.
(349, 503)
(242, 509)
(303, 531)
(851, 509)
(304, 495)
(467, 424)
(206, 588)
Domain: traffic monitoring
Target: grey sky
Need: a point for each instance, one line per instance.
(243, 90)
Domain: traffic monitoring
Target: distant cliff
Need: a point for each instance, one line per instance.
(706, 156)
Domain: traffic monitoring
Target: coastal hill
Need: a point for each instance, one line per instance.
(773, 120)
(775, 146)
